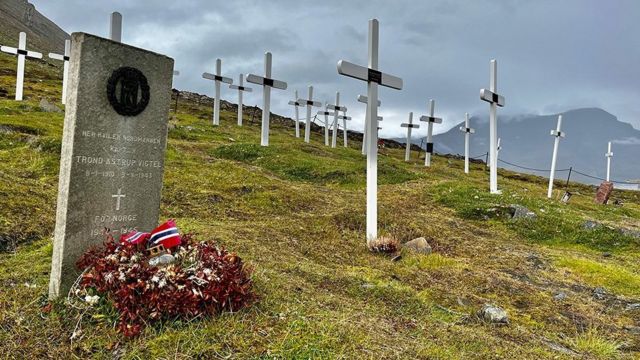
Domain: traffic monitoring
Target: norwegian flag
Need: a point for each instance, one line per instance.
(166, 234)
(134, 237)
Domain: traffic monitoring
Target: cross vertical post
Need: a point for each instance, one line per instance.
(430, 119)
(491, 96)
(295, 103)
(410, 125)
(22, 53)
(241, 88)
(363, 99)
(467, 132)
(217, 78)
(609, 155)
(310, 103)
(65, 66)
(558, 134)
(344, 118)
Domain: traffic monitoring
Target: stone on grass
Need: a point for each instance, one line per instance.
(46, 106)
(600, 293)
(634, 306)
(419, 245)
(591, 225)
(494, 314)
(561, 296)
(604, 192)
(521, 212)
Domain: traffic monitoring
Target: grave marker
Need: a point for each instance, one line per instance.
(326, 123)
(267, 83)
(558, 134)
(65, 66)
(609, 155)
(344, 126)
(241, 88)
(467, 132)
(217, 78)
(373, 77)
(295, 103)
(115, 27)
(430, 120)
(114, 140)
(22, 53)
(410, 125)
(336, 114)
(491, 96)
(310, 103)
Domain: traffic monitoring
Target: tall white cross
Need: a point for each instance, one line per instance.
(115, 27)
(431, 120)
(363, 99)
(22, 53)
(217, 78)
(336, 114)
(491, 96)
(310, 103)
(118, 197)
(373, 77)
(65, 67)
(295, 103)
(326, 114)
(609, 155)
(467, 132)
(344, 118)
(410, 125)
(558, 134)
(240, 89)
(267, 83)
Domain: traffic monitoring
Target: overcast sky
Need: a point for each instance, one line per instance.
(552, 55)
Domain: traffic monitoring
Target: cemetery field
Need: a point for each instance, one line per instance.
(295, 213)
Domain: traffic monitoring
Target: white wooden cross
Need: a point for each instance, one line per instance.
(491, 96)
(241, 88)
(467, 132)
(22, 53)
(115, 27)
(295, 103)
(267, 83)
(431, 120)
(363, 99)
(336, 113)
(558, 134)
(326, 114)
(217, 78)
(609, 155)
(373, 77)
(344, 125)
(118, 197)
(310, 103)
(410, 125)
(65, 66)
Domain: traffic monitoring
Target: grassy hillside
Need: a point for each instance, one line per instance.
(295, 212)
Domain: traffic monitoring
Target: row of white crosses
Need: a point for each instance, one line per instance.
(22, 53)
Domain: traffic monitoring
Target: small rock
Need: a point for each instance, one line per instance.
(521, 212)
(419, 245)
(591, 225)
(600, 293)
(635, 330)
(164, 259)
(630, 233)
(46, 106)
(606, 254)
(367, 286)
(561, 296)
(634, 306)
(494, 314)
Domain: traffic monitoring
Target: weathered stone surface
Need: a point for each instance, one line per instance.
(46, 106)
(600, 293)
(494, 314)
(521, 212)
(604, 192)
(634, 306)
(111, 165)
(164, 259)
(419, 245)
(561, 296)
(591, 225)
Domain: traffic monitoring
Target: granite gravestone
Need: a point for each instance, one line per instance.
(114, 140)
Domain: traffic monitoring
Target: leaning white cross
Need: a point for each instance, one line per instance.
(609, 155)
(65, 67)
(22, 53)
(310, 103)
(336, 114)
(267, 83)
(431, 120)
(373, 77)
(410, 125)
(115, 27)
(494, 101)
(467, 132)
(217, 78)
(295, 103)
(558, 134)
(344, 125)
(363, 99)
(240, 89)
(326, 114)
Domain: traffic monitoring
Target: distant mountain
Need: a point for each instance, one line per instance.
(42, 34)
(525, 141)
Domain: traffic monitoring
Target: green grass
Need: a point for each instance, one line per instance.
(295, 212)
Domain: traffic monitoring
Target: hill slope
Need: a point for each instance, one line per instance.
(295, 212)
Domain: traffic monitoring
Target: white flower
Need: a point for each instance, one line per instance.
(121, 276)
(109, 277)
(155, 278)
(92, 300)
(162, 283)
